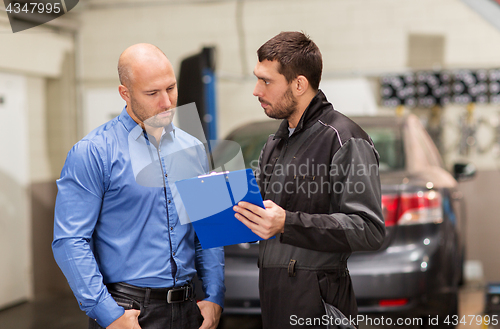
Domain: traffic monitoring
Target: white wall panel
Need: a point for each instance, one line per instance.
(15, 276)
(101, 105)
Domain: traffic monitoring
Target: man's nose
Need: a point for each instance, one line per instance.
(165, 100)
(257, 90)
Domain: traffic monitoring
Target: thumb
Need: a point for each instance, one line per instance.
(269, 204)
(136, 315)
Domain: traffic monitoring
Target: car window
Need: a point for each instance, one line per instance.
(251, 145)
(431, 149)
(423, 149)
(389, 146)
(387, 140)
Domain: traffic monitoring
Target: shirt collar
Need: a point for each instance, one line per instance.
(126, 120)
(135, 129)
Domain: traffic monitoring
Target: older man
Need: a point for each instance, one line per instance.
(118, 238)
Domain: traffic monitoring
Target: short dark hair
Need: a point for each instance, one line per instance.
(297, 55)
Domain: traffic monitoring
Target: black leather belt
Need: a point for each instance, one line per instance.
(170, 295)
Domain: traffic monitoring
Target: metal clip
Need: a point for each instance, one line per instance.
(291, 268)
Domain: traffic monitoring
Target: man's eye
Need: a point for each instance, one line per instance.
(266, 82)
(151, 94)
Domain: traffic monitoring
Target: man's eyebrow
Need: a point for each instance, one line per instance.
(260, 77)
(153, 90)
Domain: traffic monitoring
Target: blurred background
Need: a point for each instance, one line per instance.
(439, 60)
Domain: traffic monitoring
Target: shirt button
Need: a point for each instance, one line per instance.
(174, 253)
(166, 175)
(169, 201)
(171, 228)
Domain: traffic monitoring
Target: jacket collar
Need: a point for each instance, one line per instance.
(312, 112)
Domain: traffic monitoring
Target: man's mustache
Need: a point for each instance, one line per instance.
(263, 101)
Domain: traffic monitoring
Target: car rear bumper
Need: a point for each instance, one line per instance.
(398, 278)
(242, 286)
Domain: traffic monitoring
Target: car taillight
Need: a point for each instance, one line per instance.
(393, 302)
(412, 208)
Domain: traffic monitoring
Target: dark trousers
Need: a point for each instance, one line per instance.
(284, 299)
(158, 314)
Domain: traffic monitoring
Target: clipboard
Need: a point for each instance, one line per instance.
(209, 201)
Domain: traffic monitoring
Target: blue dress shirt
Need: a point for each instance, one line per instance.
(118, 216)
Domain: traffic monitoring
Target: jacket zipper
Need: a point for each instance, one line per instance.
(282, 155)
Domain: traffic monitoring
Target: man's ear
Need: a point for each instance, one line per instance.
(124, 93)
(301, 85)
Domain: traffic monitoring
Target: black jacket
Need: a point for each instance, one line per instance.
(325, 175)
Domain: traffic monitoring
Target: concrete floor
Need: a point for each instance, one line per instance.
(63, 313)
(471, 303)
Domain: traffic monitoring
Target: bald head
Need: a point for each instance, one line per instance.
(148, 85)
(135, 57)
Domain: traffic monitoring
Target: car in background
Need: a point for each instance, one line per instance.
(417, 271)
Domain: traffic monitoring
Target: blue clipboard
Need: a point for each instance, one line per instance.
(209, 202)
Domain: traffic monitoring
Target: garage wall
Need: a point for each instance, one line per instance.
(15, 279)
(483, 225)
(37, 70)
(356, 37)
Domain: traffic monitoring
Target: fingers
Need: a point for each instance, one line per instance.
(211, 314)
(269, 204)
(255, 228)
(252, 207)
(129, 319)
(135, 314)
(205, 325)
(249, 215)
(250, 224)
(266, 223)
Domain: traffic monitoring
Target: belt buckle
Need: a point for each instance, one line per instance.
(169, 296)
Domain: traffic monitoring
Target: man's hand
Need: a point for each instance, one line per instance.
(129, 320)
(211, 314)
(266, 223)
